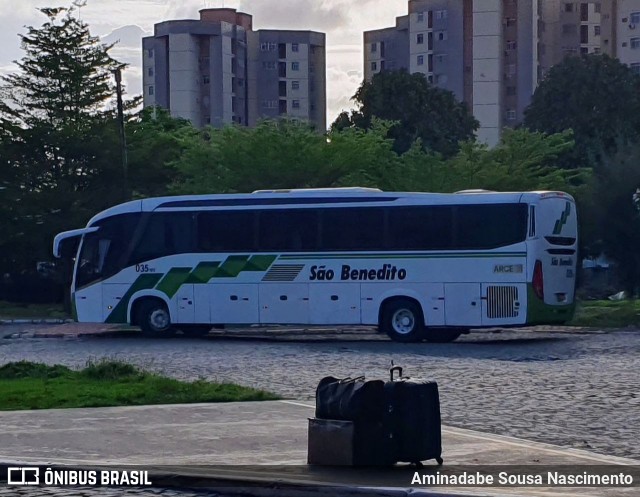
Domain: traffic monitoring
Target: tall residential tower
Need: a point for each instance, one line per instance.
(493, 53)
(217, 71)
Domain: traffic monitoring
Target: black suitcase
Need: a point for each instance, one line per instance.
(349, 443)
(413, 418)
(350, 399)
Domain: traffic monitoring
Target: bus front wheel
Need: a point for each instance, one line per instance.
(402, 321)
(154, 318)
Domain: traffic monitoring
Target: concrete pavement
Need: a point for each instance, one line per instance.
(210, 444)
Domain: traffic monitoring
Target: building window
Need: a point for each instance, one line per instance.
(635, 18)
(206, 80)
(270, 104)
(511, 91)
(584, 50)
(295, 85)
(510, 22)
(511, 115)
(374, 66)
(430, 62)
(635, 67)
(443, 35)
(635, 42)
(295, 104)
(596, 30)
(374, 47)
(269, 65)
(295, 47)
(596, 50)
(598, 7)
(511, 45)
(420, 39)
(441, 58)
(420, 60)
(295, 66)
(420, 16)
(150, 53)
(150, 71)
(511, 70)
(151, 90)
(441, 14)
(273, 46)
(568, 7)
(430, 78)
(207, 120)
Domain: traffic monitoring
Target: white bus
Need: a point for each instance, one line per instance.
(420, 266)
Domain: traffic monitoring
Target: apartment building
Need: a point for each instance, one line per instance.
(492, 53)
(217, 70)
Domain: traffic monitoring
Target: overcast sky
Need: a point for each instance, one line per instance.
(342, 20)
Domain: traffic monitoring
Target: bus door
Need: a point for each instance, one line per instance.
(555, 255)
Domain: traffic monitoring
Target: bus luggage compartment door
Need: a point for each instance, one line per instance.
(284, 303)
(334, 303)
(462, 304)
(234, 303)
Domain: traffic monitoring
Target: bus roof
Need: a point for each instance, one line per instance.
(321, 196)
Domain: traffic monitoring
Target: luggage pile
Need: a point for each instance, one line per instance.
(375, 423)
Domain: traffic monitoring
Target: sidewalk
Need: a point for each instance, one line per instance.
(254, 442)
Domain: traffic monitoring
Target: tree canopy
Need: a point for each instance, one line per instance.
(597, 97)
(418, 109)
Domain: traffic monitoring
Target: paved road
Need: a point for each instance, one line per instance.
(578, 390)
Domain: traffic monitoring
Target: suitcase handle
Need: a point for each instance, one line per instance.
(393, 369)
(350, 380)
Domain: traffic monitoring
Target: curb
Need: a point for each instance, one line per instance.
(35, 321)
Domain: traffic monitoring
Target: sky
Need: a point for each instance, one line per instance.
(343, 21)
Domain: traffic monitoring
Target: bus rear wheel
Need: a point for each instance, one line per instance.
(402, 321)
(154, 319)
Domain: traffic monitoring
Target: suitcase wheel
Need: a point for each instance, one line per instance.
(439, 461)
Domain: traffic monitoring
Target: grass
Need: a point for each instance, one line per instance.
(607, 313)
(10, 310)
(28, 385)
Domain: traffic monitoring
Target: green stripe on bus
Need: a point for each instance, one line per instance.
(203, 272)
(259, 262)
(143, 282)
(173, 280)
(557, 228)
(231, 267)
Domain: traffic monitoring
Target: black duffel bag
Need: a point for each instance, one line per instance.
(350, 399)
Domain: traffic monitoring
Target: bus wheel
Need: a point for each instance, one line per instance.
(441, 335)
(402, 321)
(154, 318)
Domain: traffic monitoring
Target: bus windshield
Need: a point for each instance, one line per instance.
(103, 252)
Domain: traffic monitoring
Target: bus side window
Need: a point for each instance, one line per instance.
(226, 231)
(420, 228)
(353, 228)
(288, 230)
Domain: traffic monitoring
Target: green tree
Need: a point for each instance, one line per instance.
(597, 97)
(60, 144)
(612, 207)
(418, 109)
